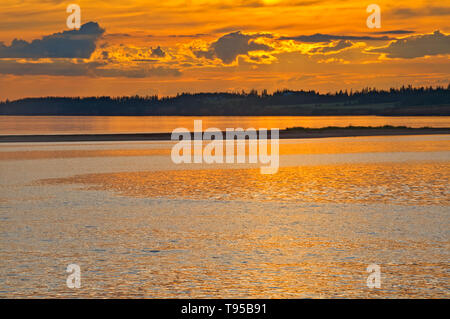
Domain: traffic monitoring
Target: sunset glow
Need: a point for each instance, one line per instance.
(166, 47)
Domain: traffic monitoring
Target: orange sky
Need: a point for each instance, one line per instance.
(164, 47)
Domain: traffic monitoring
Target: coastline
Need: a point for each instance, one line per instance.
(292, 133)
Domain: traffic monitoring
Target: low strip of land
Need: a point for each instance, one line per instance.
(290, 133)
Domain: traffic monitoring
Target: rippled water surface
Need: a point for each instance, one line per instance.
(140, 226)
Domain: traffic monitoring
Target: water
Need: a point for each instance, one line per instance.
(140, 226)
(16, 125)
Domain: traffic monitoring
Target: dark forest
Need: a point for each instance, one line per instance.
(368, 101)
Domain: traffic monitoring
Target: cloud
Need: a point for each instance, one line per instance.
(196, 35)
(138, 72)
(158, 52)
(117, 35)
(319, 37)
(265, 3)
(233, 28)
(58, 68)
(241, 4)
(338, 46)
(421, 12)
(231, 45)
(91, 69)
(395, 32)
(145, 60)
(417, 46)
(68, 44)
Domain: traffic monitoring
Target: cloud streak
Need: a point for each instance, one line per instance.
(319, 37)
(421, 12)
(339, 46)
(90, 69)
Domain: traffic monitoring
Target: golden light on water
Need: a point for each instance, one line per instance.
(286, 147)
(143, 227)
(390, 183)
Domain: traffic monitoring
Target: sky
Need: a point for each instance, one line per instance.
(146, 47)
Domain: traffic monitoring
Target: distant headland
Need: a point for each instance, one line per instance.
(289, 133)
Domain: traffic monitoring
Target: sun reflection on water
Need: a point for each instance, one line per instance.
(399, 183)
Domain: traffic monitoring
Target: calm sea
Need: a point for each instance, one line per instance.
(140, 226)
(16, 125)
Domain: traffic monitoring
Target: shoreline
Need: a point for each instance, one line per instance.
(292, 133)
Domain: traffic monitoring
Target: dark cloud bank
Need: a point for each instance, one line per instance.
(417, 46)
(67, 44)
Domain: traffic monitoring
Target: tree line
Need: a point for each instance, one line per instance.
(406, 100)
